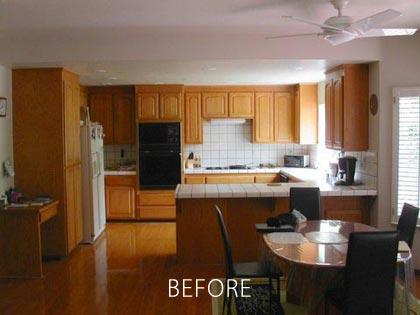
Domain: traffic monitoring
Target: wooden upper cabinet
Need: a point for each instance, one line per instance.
(306, 114)
(338, 112)
(215, 105)
(241, 105)
(71, 91)
(101, 111)
(148, 106)
(283, 118)
(193, 123)
(170, 106)
(123, 117)
(263, 130)
(347, 114)
(329, 114)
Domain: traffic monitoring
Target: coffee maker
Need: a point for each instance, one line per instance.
(346, 170)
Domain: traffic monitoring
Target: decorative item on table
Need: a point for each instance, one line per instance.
(14, 196)
(3, 107)
(40, 200)
(189, 163)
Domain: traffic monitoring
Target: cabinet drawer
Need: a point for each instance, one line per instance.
(121, 180)
(161, 212)
(266, 178)
(195, 180)
(156, 198)
(48, 213)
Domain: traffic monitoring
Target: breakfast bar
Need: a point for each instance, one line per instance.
(244, 205)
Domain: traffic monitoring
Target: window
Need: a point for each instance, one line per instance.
(406, 144)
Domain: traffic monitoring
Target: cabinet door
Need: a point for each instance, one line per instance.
(70, 209)
(120, 202)
(76, 124)
(329, 115)
(195, 180)
(344, 215)
(77, 177)
(215, 105)
(170, 106)
(101, 111)
(241, 105)
(283, 118)
(69, 122)
(338, 126)
(263, 130)
(148, 106)
(193, 123)
(123, 110)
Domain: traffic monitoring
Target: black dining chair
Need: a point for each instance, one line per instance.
(369, 277)
(246, 271)
(306, 200)
(407, 223)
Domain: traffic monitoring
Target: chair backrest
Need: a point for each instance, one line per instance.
(306, 200)
(407, 223)
(370, 273)
(226, 244)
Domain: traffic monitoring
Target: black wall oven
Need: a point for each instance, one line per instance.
(159, 155)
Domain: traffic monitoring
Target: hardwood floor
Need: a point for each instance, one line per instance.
(125, 272)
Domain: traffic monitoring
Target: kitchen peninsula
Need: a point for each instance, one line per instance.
(244, 205)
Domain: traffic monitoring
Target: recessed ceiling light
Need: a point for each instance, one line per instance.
(399, 31)
(107, 83)
(100, 70)
(298, 68)
(113, 78)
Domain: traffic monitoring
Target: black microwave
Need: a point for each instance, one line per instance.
(296, 160)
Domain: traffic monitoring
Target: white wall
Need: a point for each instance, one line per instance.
(399, 67)
(6, 143)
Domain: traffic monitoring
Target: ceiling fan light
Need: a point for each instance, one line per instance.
(399, 31)
(339, 38)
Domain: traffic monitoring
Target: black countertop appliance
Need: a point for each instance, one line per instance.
(346, 170)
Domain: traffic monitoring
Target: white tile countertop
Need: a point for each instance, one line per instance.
(189, 191)
(119, 173)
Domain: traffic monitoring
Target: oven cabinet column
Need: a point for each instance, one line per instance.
(120, 197)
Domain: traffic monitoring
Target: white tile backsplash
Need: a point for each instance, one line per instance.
(225, 144)
(116, 155)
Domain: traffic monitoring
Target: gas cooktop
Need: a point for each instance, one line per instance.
(230, 167)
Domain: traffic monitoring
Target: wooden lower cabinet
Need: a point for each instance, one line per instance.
(267, 178)
(156, 205)
(344, 215)
(228, 179)
(195, 179)
(74, 206)
(120, 197)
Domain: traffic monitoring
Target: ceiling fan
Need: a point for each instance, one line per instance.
(341, 28)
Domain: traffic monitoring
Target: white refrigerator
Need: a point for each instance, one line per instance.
(93, 186)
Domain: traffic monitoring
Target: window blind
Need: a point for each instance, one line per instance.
(406, 149)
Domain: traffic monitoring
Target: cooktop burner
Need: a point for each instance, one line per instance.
(230, 167)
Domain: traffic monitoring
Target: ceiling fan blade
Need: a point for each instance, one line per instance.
(323, 26)
(374, 21)
(379, 32)
(291, 36)
(339, 39)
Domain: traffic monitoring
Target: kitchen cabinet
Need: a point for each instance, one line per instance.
(148, 106)
(283, 118)
(101, 111)
(215, 105)
(159, 102)
(347, 114)
(74, 206)
(306, 114)
(241, 104)
(231, 178)
(156, 205)
(193, 122)
(263, 123)
(329, 119)
(195, 179)
(120, 194)
(113, 108)
(266, 178)
(170, 106)
(123, 118)
(46, 129)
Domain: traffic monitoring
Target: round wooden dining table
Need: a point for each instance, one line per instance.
(314, 258)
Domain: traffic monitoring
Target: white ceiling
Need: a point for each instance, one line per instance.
(143, 41)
